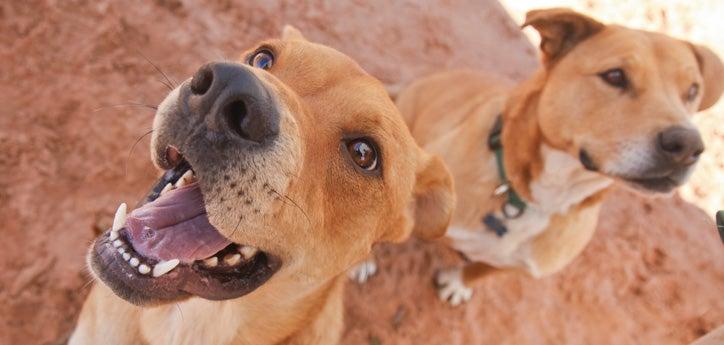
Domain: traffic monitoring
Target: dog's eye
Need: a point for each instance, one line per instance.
(263, 59)
(692, 92)
(363, 153)
(615, 77)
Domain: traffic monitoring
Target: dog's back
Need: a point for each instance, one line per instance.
(433, 106)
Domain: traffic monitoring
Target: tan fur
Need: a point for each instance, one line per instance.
(328, 220)
(563, 108)
(566, 236)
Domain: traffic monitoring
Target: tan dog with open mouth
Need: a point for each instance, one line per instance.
(286, 169)
(609, 104)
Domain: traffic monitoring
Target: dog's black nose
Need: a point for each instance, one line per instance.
(680, 145)
(233, 101)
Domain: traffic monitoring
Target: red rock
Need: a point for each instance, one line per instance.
(653, 273)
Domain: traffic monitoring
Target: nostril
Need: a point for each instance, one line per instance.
(669, 143)
(202, 80)
(235, 113)
(681, 145)
(698, 152)
(672, 147)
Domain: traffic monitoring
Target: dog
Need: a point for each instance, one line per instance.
(531, 162)
(281, 172)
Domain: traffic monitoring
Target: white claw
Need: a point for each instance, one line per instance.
(212, 261)
(120, 218)
(164, 267)
(117, 243)
(232, 259)
(167, 188)
(126, 256)
(134, 262)
(144, 269)
(113, 235)
(248, 252)
(185, 179)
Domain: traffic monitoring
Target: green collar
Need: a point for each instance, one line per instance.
(514, 205)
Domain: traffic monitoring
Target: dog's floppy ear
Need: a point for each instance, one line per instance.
(522, 137)
(712, 72)
(433, 199)
(560, 30)
(291, 33)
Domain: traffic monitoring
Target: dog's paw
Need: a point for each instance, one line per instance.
(363, 271)
(450, 286)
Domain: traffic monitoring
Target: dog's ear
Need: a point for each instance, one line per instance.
(560, 30)
(433, 199)
(522, 137)
(712, 72)
(291, 33)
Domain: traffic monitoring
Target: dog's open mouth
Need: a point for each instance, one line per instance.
(166, 249)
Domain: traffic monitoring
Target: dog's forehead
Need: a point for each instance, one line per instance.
(309, 68)
(334, 86)
(639, 47)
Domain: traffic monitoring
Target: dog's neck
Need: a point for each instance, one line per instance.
(563, 182)
(541, 173)
(278, 318)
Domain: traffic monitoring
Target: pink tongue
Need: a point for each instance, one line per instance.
(175, 226)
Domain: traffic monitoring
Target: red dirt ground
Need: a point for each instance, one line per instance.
(653, 273)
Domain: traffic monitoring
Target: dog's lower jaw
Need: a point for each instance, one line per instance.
(260, 318)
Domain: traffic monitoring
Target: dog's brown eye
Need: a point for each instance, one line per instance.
(263, 59)
(692, 92)
(363, 153)
(615, 77)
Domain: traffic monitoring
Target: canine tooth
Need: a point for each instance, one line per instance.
(126, 256)
(185, 179)
(232, 259)
(164, 267)
(120, 218)
(248, 251)
(117, 243)
(121, 250)
(211, 262)
(144, 269)
(134, 262)
(167, 188)
(113, 235)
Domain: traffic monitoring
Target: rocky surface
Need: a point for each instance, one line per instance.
(72, 80)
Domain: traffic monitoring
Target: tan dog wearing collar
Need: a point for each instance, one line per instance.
(282, 171)
(610, 104)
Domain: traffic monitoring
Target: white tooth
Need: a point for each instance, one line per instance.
(126, 256)
(248, 252)
(167, 188)
(232, 259)
(121, 250)
(113, 235)
(144, 269)
(185, 179)
(117, 243)
(120, 218)
(134, 262)
(211, 262)
(164, 267)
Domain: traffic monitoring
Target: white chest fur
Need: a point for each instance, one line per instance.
(562, 183)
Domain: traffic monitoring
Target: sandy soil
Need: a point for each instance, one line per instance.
(73, 72)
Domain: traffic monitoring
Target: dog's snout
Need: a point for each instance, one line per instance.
(234, 101)
(680, 145)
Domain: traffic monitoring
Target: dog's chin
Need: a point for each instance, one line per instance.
(183, 257)
(657, 184)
